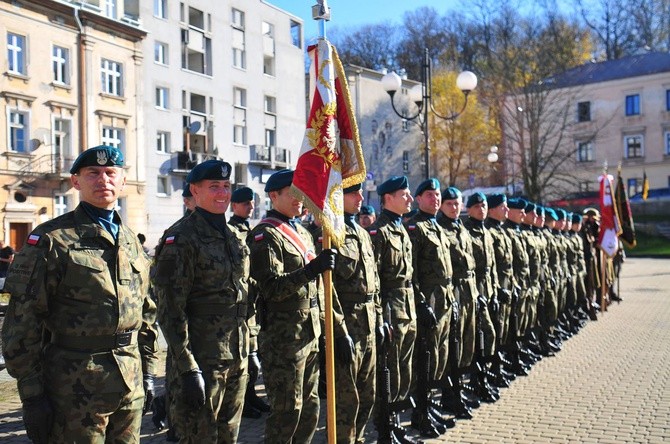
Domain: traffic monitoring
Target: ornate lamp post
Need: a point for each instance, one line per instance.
(421, 95)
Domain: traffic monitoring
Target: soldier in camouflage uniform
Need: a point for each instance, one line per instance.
(533, 247)
(200, 280)
(243, 204)
(465, 289)
(288, 277)
(487, 284)
(433, 272)
(504, 256)
(78, 334)
(356, 286)
(521, 268)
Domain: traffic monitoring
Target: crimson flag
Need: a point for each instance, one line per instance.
(610, 227)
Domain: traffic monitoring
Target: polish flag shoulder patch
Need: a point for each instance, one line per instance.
(411, 227)
(320, 239)
(33, 239)
(373, 232)
(259, 237)
(170, 240)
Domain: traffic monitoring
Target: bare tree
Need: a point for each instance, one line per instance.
(613, 24)
(369, 46)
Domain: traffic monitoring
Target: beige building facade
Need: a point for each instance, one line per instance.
(69, 82)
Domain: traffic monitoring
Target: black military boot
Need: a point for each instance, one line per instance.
(453, 400)
(424, 425)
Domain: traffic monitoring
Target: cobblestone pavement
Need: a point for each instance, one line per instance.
(609, 384)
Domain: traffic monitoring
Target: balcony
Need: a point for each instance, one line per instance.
(269, 156)
(182, 162)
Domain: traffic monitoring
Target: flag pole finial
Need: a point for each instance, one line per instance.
(321, 12)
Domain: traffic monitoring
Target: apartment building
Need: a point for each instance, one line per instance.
(223, 80)
(618, 113)
(69, 81)
(392, 146)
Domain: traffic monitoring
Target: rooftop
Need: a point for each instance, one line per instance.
(632, 66)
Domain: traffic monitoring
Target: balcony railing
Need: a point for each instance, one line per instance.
(271, 156)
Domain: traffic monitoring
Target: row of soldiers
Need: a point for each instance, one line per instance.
(432, 306)
(423, 307)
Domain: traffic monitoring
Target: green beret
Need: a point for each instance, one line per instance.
(576, 218)
(244, 194)
(475, 198)
(395, 183)
(550, 213)
(353, 188)
(368, 210)
(561, 213)
(539, 210)
(530, 207)
(186, 192)
(280, 179)
(102, 155)
(428, 184)
(496, 199)
(451, 193)
(516, 203)
(211, 169)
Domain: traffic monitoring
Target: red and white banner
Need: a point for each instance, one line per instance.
(610, 227)
(331, 157)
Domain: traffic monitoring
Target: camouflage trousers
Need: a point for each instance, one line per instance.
(549, 312)
(400, 358)
(502, 322)
(96, 418)
(219, 419)
(355, 390)
(522, 310)
(532, 303)
(438, 343)
(291, 381)
(467, 295)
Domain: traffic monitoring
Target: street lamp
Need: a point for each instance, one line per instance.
(421, 95)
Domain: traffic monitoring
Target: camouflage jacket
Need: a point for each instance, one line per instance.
(520, 263)
(355, 281)
(72, 281)
(485, 258)
(461, 245)
(290, 300)
(200, 280)
(533, 247)
(502, 248)
(431, 261)
(393, 256)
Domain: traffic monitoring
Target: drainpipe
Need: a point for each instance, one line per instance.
(81, 83)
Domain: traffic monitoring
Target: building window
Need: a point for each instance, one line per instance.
(110, 8)
(585, 152)
(160, 8)
(61, 205)
(239, 58)
(240, 97)
(633, 105)
(239, 134)
(405, 162)
(161, 53)
(113, 137)
(584, 112)
(111, 74)
(16, 53)
(296, 34)
(62, 142)
(270, 137)
(60, 61)
(268, 29)
(634, 186)
(270, 105)
(667, 99)
(196, 52)
(237, 19)
(634, 147)
(162, 98)
(269, 65)
(163, 186)
(667, 143)
(163, 142)
(18, 131)
(584, 186)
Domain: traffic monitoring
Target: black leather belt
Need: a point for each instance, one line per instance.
(302, 304)
(207, 309)
(95, 343)
(355, 298)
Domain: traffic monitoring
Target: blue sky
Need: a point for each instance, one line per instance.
(357, 12)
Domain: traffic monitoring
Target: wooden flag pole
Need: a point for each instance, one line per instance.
(603, 281)
(330, 356)
(321, 13)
